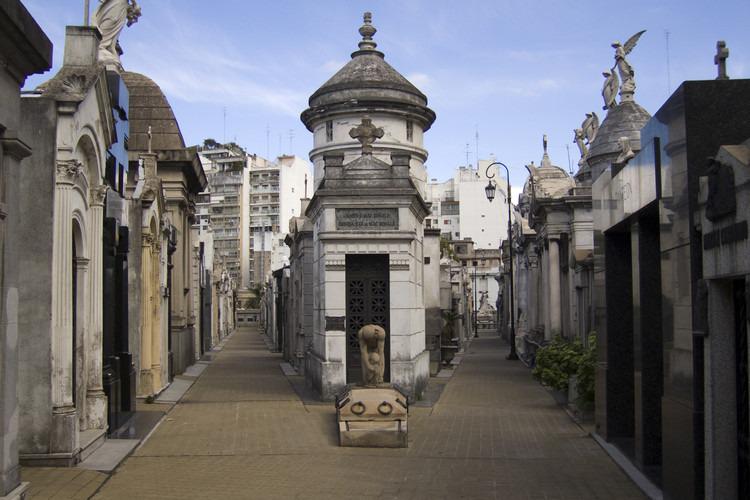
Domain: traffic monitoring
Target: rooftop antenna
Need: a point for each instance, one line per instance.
(467, 155)
(86, 10)
(291, 141)
(225, 124)
(305, 186)
(570, 164)
(476, 137)
(669, 76)
(268, 140)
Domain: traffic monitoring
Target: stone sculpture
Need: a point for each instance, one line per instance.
(626, 150)
(372, 349)
(720, 59)
(578, 138)
(111, 17)
(627, 75)
(609, 89)
(590, 127)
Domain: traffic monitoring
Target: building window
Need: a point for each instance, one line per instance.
(427, 260)
(329, 130)
(409, 130)
(446, 221)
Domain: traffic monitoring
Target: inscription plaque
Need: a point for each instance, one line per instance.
(366, 218)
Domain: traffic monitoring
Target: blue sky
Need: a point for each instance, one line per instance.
(511, 70)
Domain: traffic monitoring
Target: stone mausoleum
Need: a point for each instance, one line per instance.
(367, 215)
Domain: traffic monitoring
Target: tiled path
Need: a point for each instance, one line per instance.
(241, 432)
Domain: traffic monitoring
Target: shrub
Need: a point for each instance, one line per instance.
(586, 374)
(557, 362)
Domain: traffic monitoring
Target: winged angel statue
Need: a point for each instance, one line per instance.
(627, 75)
(111, 17)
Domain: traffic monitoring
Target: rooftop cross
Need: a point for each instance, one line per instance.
(720, 59)
(366, 133)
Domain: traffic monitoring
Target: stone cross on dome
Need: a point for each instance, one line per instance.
(366, 133)
(720, 59)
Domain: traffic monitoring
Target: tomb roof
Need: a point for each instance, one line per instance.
(368, 77)
(149, 107)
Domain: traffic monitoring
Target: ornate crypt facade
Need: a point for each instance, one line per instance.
(367, 216)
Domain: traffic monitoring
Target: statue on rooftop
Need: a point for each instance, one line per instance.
(111, 17)
(627, 75)
(626, 150)
(590, 127)
(578, 139)
(609, 89)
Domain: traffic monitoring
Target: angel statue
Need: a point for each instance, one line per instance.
(623, 66)
(111, 17)
(609, 89)
(590, 127)
(578, 139)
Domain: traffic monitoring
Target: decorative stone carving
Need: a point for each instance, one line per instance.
(69, 170)
(627, 75)
(609, 89)
(147, 239)
(98, 194)
(590, 127)
(578, 138)
(366, 133)
(111, 17)
(720, 60)
(372, 349)
(626, 150)
(75, 84)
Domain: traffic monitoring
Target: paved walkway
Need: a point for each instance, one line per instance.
(241, 432)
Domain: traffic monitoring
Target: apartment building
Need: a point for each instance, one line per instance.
(275, 192)
(225, 206)
(460, 208)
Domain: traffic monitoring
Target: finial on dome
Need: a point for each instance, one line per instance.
(545, 158)
(367, 31)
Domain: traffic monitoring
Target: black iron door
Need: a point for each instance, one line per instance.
(743, 399)
(367, 303)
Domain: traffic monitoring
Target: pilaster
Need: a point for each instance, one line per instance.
(554, 287)
(96, 400)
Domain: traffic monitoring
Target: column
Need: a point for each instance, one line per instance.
(96, 400)
(553, 264)
(156, 334)
(64, 421)
(146, 382)
(12, 152)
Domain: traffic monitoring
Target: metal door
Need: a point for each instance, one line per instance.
(367, 303)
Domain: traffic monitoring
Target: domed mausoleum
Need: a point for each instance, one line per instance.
(368, 85)
(367, 215)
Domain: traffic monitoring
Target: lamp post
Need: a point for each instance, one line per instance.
(476, 332)
(490, 192)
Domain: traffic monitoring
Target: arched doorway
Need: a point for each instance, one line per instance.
(78, 315)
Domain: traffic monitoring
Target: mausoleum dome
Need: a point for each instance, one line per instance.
(149, 108)
(367, 81)
(624, 120)
(549, 181)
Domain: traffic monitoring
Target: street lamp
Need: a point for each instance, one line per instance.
(476, 331)
(490, 192)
